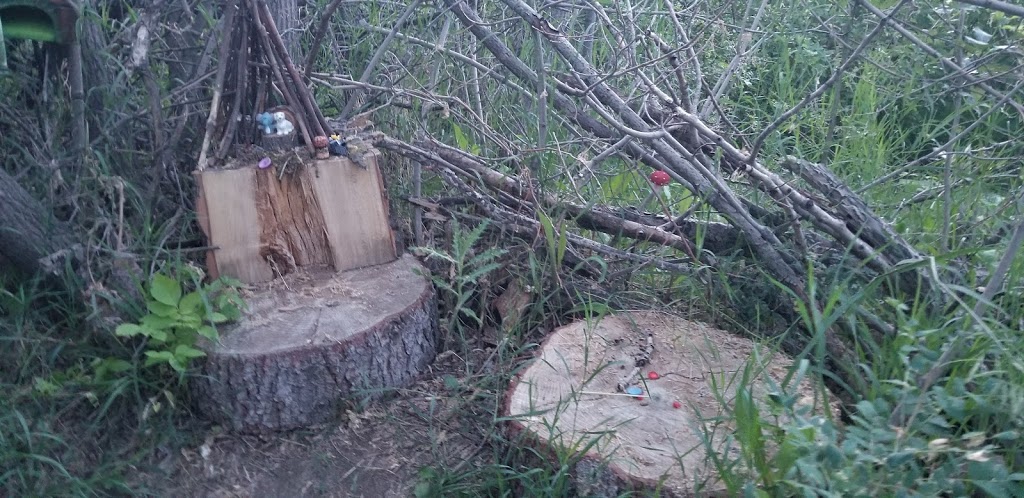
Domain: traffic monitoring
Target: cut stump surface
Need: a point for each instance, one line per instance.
(569, 397)
(311, 340)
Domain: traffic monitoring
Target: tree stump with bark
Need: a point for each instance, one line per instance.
(333, 315)
(632, 391)
(314, 339)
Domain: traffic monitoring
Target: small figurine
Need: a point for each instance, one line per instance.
(284, 127)
(320, 143)
(266, 122)
(337, 147)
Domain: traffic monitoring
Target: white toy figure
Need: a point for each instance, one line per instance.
(284, 127)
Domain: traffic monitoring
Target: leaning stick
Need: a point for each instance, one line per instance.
(276, 68)
(241, 80)
(211, 121)
(301, 92)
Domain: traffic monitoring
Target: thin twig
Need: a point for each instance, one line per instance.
(222, 63)
(371, 66)
(315, 121)
(241, 78)
(818, 92)
(318, 37)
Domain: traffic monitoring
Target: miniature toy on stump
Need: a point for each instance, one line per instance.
(334, 312)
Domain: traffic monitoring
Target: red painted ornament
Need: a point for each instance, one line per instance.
(660, 178)
(677, 405)
(653, 375)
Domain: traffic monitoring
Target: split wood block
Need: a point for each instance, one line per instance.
(320, 213)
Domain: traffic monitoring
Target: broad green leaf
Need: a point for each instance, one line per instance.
(460, 138)
(216, 317)
(183, 351)
(232, 312)
(995, 489)
(155, 334)
(165, 289)
(190, 321)
(450, 382)
(230, 282)
(208, 332)
(161, 309)
(899, 458)
(154, 357)
(176, 364)
(190, 303)
(45, 386)
(128, 330)
(157, 322)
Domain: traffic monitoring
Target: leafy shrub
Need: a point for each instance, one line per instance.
(175, 322)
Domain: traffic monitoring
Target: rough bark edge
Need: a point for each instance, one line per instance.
(252, 401)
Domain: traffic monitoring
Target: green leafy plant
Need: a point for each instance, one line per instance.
(176, 321)
(466, 270)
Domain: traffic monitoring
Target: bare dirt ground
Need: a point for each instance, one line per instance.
(444, 419)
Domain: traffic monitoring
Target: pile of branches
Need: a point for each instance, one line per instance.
(670, 135)
(811, 218)
(674, 138)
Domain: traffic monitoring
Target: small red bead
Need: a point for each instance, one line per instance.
(677, 405)
(653, 375)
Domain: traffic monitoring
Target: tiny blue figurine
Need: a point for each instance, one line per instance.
(336, 147)
(266, 122)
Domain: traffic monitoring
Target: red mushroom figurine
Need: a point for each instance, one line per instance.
(660, 178)
(320, 143)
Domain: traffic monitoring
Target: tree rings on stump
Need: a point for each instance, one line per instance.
(310, 340)
(639, 426)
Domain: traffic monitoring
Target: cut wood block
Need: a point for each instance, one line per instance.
(312, 340)
(569, 398)
(263, 224)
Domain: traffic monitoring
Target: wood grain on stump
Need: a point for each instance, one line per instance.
(568, 398)
(311, 340)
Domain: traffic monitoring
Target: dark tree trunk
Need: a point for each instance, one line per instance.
(286, 17)
(28, 232)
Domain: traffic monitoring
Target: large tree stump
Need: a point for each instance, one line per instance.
(569, 397)
(313, 339)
